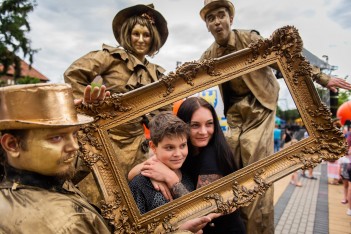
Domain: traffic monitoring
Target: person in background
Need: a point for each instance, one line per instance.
(310, 170)
(334, 172)
(348, 212)
(250, 104)
(294, 176)
(345, 163)
(286, 137)
(334, 166)
(277, 133)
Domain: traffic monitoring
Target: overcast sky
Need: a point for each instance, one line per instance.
(65, 30)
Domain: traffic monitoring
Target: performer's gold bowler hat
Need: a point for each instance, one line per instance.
(214, 4)
(38, 106)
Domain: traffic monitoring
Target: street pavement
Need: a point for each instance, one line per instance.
(314, 208)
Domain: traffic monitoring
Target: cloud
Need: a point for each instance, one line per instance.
(66, 30)
(342, 14)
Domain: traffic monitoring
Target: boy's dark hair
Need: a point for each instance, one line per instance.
(167, 124)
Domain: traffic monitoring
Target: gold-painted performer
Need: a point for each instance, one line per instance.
(249, 104)
(38, 152)
(140, 30)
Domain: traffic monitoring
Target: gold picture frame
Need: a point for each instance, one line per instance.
(284, 51)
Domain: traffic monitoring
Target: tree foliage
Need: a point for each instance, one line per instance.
(28, 80)
(289, 115)
(13, 28)
(344, 96)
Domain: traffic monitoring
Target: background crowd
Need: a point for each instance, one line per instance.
(338, 170)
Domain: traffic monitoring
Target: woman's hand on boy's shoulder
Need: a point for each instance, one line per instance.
(163, 188)
(158, 171)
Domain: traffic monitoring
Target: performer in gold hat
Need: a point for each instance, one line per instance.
(140, 31)
(38, 125)
(250, 104)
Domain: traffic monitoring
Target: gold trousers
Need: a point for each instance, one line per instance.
(250, 136)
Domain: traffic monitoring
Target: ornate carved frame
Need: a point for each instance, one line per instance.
(282, 50)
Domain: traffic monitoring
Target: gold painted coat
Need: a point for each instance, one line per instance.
(262, 82)
(28, 209)
(121, 72)
(249, 105)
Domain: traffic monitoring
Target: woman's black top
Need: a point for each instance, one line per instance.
(205, 163)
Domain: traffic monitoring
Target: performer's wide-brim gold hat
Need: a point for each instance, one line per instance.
(214, 4)
(159, 21)
(38, 106)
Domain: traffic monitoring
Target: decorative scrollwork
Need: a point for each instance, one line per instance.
(304, 70)
(102, 109)
(188, 72)
(117, 104)
(242, 195)
(322, 111)
(307, 162)
(329, 138)
(222, 206)
(87, 136)
(91, 158)
(287, 43)
(123, 224)
(168, 227)
(107, 209)
(87, 140)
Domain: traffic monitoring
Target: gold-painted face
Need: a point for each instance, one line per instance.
(218, 23)
(50, 152)
(141, 41)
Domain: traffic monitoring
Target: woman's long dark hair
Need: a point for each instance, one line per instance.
(224, 155)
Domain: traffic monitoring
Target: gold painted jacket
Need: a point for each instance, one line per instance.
(121, 72)
(37, 204)
(262, 82)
